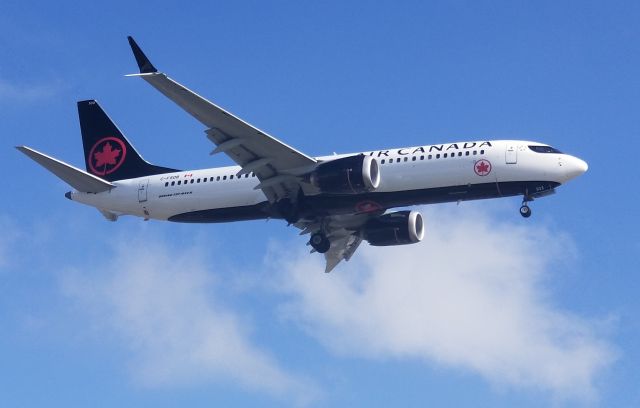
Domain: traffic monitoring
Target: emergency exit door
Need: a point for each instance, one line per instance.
(143, 185)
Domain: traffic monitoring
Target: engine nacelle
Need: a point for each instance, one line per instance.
(348, 175)
(397, 228)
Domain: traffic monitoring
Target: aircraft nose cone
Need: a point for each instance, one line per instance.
(575, 167)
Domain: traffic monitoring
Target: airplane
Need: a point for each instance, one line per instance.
(339, 200)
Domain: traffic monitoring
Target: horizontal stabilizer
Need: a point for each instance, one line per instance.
(76, 178)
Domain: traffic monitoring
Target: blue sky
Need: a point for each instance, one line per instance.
(490, 310)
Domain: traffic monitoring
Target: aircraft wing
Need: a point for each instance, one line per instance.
(341, 248)
(343, 231)
(275, 164)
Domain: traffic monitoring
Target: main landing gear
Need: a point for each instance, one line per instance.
(320, 242)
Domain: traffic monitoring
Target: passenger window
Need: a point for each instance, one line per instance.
(459, 154)
(466, 153)
(218, 178)
(438, 156)
(445, 155)
(382, 161)
(211, 179)
(421, 157)
(481, 151)
(224, 177)
(406, 159)
(166, 184)
(192, 180)
(430, 157)
(413, 158)
(179, 182)
(173, 183)
(475, 152)
(197, 181)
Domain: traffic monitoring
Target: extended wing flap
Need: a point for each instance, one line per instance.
(76, 178)
(343, 232)
(341, 248)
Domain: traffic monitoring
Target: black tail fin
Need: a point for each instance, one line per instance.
(107, 153)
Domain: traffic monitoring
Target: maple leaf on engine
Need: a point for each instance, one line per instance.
(108, 155)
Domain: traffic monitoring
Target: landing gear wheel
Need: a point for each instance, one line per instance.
(320, 242)
(525, 211)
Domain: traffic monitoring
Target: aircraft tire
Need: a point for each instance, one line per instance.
(525, 211)
(319, 242)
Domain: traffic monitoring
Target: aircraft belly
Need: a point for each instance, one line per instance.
(376, 201)
(194, 200)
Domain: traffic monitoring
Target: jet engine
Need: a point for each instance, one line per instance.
(348, 175)
(397, 228)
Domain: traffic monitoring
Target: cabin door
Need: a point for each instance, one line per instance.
(511, 155)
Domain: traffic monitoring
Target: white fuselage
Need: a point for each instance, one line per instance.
(438, 169)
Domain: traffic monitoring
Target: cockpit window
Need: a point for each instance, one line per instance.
(544, 149)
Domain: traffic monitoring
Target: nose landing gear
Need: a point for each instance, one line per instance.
(525, 211)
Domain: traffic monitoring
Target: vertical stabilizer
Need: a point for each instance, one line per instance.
(107, 152)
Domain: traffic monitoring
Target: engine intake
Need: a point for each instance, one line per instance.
(348, 175)
(397, 228)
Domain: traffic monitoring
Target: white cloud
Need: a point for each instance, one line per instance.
(161, 302)
(12, 92)
(471, 296)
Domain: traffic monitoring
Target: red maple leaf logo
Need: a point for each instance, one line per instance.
(483, 167)
(108, 155)
(367, 206)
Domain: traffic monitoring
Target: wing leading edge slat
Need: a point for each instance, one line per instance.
(242, 142)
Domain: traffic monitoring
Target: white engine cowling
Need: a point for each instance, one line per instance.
(397, 228)
(347, 175)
